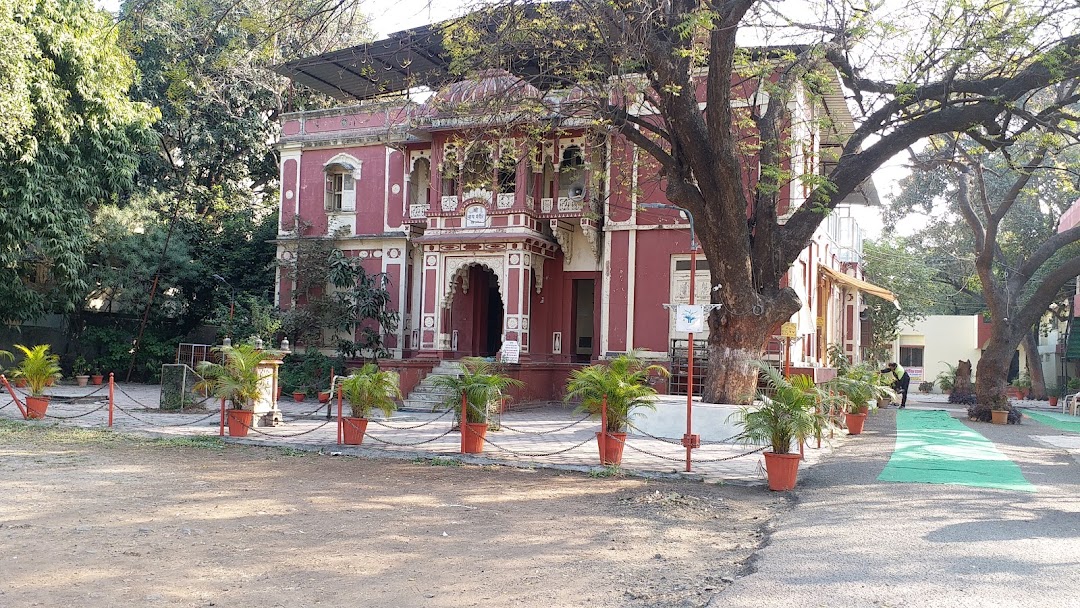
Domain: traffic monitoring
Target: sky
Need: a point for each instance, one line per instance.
(388, 16)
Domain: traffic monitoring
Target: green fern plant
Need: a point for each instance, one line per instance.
(38, 368)
(625, 383)
(484, 387)
(784, 412)
(369, 389)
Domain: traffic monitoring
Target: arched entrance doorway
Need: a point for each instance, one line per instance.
(476, 314)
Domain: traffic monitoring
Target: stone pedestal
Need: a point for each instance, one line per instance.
(266, 406)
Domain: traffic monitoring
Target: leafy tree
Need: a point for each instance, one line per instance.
(1009, 203)
(71, 140)
(953, 67)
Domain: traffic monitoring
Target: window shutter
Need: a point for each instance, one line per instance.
(348, 193)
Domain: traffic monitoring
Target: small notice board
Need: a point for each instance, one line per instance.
(511, 351)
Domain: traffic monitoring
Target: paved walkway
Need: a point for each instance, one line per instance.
(855, 541)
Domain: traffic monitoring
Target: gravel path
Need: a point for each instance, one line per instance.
(853, 541)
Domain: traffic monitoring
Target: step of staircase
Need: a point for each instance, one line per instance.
(426, 397)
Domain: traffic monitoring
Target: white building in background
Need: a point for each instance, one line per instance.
(926, 348)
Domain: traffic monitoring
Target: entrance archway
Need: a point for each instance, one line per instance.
(477, 311)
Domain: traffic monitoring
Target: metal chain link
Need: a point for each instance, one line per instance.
(303, 414)
(697, 460)
(408, 428)
(563, 428)
(651, 436)
(97, 409)
(536, 455)
(406, 445)
(136, 401)
(168, 426)
(286, 435)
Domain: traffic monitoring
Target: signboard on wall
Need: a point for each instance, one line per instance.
(788, 330)
(511, 351)
(476, 216)
(689, 318)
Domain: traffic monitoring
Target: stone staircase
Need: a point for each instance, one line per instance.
(426, 397)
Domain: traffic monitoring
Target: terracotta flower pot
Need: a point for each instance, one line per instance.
(324, 396)
(353, 429)
(82, 380)
(783, 470)
(999, 416)
(473, 440)
(611, 448)
(864, 409)
(239, 422)
(298, 397)
(35, 407)
(1053, 400)
(855, 423)
(97, 379)
(20, 382)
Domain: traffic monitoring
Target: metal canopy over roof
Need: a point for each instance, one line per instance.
(406, 59)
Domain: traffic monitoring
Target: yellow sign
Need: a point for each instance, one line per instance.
(787, 330)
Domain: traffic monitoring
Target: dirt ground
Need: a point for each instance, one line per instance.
(90, 518)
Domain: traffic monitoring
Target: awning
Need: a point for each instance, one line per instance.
(859, 284)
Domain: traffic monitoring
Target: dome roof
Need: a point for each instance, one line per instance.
(488, 84)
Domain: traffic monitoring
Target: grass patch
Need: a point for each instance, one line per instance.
(292, 452)
(206, 442)
(608, 471)
(438, 461)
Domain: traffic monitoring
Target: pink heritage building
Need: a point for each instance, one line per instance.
(543, 250)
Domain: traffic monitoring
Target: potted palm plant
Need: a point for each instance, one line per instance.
(366, 389)
(238, 379)
(38, 369)
(782, 415)
(483, 388)
(624, 384)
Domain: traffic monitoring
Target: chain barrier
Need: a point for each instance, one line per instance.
(304, 414)
(683, 459)
(417, 426)
(562, 428)
(134, 400)
(97, 409)
(287, 435)
(536, 455)
(407, 445)
(168, 426)
(651, 436)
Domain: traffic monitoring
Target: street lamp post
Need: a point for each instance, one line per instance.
(689, 440)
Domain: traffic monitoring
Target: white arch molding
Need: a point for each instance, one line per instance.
(458, 266)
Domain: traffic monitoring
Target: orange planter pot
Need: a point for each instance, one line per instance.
(1053, 401)
(611, 448)
(324, 396)
(97, 379)
(298, 397)
(855, 423)
(353, 430)
(473, 440)
(35, 407)
(239, 422)
(783, 470)
(999, 416)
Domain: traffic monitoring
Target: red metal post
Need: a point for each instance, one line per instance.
(689, 439)
(339, 421)
(112, 396)
(221, 426)
(14, 396)
(787, 357)
(464, 418)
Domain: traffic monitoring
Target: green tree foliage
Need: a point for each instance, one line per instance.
(70, 141)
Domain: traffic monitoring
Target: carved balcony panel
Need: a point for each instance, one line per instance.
(449, 203)
(505, 200)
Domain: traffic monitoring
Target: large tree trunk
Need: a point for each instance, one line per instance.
(1034, 364)
(990, 377)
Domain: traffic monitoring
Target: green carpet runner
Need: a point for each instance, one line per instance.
(934, 447)
(1063, 422)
